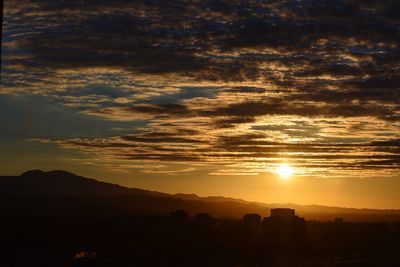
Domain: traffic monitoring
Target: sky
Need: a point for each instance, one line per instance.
(207, 97)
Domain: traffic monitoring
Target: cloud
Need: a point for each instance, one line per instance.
(217, 82)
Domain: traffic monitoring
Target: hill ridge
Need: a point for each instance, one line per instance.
(58, 183)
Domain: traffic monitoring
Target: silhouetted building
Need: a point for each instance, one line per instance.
(179, 216)
(203, 219)
(251, 233)
(283, 227)
(282, 213)
(252, 219)
(338, 220)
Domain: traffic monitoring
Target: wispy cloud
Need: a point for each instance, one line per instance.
(238, 85)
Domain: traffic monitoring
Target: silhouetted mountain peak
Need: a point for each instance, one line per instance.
(40, 173)
(32, 173)
(59, 182)
(61, 172)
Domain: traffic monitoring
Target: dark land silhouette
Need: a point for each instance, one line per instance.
(59, 219)
(64, 193)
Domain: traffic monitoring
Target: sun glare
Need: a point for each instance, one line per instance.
(285, 171)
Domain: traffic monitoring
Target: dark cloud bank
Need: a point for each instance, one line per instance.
(335, 63)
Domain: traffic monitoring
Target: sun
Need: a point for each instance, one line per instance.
(285, 171)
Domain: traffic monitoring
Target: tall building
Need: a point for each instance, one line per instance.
(282, 213)
(252, 219)
(283, 227)
(179, 216)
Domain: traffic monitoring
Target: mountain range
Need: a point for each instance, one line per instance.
(61, 193)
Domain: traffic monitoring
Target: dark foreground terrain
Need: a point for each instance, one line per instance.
(201, 240)
(60, 219)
